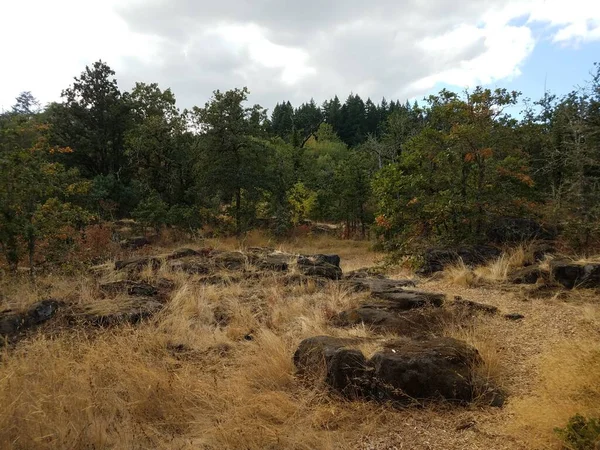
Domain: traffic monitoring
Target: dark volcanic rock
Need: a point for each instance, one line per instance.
(274, 261)
(194, 266)
(318, 266)
(401, 371)
(473, 307)
(183, 253)
(230, 260)
(133, 311)
(426, 369)
(405, 300)
(13, 323)
(134, 288)
(344, 369)
(514, 316)
(365, 272)
(526, 275)
(380, 319)
(571, 274)
(377, 284)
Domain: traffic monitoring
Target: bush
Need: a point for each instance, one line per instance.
(580, 433)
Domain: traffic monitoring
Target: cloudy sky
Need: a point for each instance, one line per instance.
(401, 49)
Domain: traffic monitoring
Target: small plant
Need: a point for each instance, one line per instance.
(580, 433)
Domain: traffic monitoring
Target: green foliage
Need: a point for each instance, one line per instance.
(302, 201)
(580, 433)
(152, 211)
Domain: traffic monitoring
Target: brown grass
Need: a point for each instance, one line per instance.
(214, 369)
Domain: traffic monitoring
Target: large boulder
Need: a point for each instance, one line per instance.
(334, 360)
(320, 266)
(402, 371)
(526, 275)
(13, 323)
(572, 274)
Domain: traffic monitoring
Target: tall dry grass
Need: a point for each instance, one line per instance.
(496, 270)
(184, 379)
(567, 384)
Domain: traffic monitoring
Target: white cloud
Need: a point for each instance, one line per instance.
(282, 50)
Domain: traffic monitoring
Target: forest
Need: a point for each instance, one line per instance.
(447, 169)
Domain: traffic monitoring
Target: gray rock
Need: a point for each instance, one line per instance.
(571, 274)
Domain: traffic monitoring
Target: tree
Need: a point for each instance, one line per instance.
(34, 191)
(460, 172)
(93, 120)
(235, 155)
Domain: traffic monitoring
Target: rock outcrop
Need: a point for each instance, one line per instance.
(402, 371)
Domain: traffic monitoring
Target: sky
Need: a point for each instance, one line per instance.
(281, 50)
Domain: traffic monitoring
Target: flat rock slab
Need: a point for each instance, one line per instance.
(572, 274)
(377, 285)
(105, 314)
(13, 323)
(401, 371)
(406, 299)
(379, 319)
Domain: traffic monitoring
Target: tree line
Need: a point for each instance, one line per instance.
(446, 170)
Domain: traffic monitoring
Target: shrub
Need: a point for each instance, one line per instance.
(580, 433)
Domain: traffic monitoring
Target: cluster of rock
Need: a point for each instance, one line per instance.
(417, 364)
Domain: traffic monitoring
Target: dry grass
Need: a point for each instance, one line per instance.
(568, 385)
(493, 272)
(213, 370)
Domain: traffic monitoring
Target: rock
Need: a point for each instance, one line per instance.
(134, 288)
(526, 275)
(230, 260)
(437, 368)
(377, 284)
(135, 243)
(405, 300)
(183, 253)
(514, 316)
(414, 322)
(572, 274)
(194, 267)
(275, 262)
(317, 266)
(133, 311)
(366, 272)
(138, 263)
(13, 323)
(400, 371)
(436, 259)
(474, 307)
(343, 369)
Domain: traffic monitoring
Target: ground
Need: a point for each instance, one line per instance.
(213, 369)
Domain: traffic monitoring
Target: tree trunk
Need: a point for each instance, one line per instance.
(238, 211)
